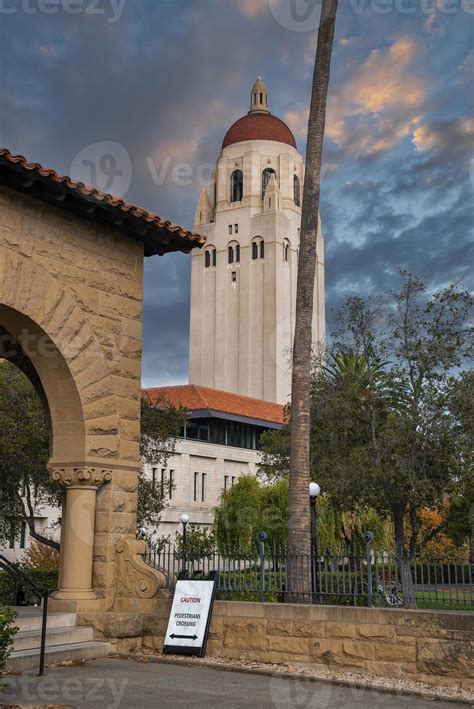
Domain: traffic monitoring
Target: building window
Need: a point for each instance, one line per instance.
(236, 186)
(171, 483)
(203, 487)
(297, 190)
(12, 536)
(236, 228)
(266, 177)
(230, 228)
(230, 254)
(22, 535)
(286, 251)
(258, 249)
(210, 258)
(196, 478)
(234, 276)
(237, 253)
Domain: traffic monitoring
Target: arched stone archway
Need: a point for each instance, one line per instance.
(71, 293)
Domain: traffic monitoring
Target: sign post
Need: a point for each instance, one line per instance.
(188, 626)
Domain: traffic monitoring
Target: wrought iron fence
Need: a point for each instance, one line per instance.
(352, 576)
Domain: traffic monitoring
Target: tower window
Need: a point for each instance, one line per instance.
(234, 276)
(266, 177)
(236, 229)
(210, 258)
(230, 254)
(286, 251)
(230, 228)
(237, 186)
(297, 190)
(237, 253)
(258, 249)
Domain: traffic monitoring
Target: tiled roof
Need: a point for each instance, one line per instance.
(153, 227)
(199, 398)
(259, 126)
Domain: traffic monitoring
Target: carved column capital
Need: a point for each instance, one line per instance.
(81, 477)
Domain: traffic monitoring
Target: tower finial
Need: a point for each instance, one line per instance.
(259, 97)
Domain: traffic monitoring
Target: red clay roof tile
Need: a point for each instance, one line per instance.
(91, 194)
(198, 398)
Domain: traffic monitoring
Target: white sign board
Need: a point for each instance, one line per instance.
(190, 617)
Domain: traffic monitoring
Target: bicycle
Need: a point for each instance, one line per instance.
(382, 596)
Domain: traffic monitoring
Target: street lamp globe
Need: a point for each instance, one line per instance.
(184, 518)
(314, 490)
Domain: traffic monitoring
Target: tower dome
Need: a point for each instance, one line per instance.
(259, 123)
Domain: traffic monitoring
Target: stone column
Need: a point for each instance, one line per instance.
(77, 529)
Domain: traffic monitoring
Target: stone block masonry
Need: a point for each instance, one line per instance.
(434, 647)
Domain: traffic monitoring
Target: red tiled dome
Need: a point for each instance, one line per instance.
(259, 126)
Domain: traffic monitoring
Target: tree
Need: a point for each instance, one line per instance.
(248, 508)
(161, 424)
(24, 454)
(391, 423)
(298, 508)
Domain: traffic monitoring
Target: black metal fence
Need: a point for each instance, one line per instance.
(353, 576)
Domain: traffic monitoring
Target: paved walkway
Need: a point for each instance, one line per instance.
(125, 684)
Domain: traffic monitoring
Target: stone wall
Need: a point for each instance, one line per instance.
(430, 646)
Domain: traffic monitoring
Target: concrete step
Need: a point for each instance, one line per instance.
(55, 620)
(31, 639)
(23, 660)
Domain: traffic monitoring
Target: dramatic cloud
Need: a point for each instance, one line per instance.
(380, 103)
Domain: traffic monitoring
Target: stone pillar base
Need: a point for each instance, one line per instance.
(75, 596)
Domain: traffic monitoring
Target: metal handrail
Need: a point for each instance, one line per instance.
(40, 592)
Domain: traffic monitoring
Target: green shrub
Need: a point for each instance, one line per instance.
(7, 633)
(47, 578)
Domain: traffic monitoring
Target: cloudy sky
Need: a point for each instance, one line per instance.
(153, 85)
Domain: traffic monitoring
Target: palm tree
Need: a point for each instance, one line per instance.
(299, 523)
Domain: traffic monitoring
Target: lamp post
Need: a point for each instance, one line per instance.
(314, 492)
(184, 521)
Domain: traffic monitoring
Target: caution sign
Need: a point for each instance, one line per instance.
(188, 626)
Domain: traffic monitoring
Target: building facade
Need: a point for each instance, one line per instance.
(218, 445)
(243, 284)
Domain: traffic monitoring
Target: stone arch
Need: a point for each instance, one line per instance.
(53, 334)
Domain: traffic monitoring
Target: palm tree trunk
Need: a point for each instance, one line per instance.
(403, 559)
(299, 522)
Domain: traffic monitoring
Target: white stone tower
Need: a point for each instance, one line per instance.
(243, 284)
